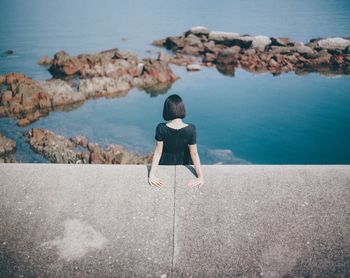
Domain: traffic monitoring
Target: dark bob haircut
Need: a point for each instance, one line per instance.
(174, 108)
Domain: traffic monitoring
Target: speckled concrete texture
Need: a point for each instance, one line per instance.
(84, 221)
(263, 221)
(60, 220)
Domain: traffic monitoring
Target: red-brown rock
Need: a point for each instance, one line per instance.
(58, 149)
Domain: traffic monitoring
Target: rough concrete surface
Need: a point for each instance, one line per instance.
(84, 221)
(60, 220)
(263, 221)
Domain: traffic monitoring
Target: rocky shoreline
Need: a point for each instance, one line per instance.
(109, 73)
(228, 50)
(78, 149)
(76, 79)
(112, 73)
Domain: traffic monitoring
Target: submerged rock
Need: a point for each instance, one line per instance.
(58, 149)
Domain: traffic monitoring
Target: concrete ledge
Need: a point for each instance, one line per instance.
(84, 221)
(61, 220)
(264, 221)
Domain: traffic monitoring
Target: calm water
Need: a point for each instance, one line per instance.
(248, 118)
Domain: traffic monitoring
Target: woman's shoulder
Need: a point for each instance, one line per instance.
(160, 124)
(190, 128)
(192, 125)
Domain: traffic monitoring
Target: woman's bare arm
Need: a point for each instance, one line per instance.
(197, 165)
(152, 179)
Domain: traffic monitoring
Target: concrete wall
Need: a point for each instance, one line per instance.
(106, 221)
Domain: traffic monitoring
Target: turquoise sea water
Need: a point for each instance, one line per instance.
(247, 118)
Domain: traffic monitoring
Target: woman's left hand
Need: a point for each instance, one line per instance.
(196, 182)
(154, 181)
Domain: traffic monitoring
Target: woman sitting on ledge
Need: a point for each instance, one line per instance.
(175, 142)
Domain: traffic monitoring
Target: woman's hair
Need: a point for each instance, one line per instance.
(174, 108)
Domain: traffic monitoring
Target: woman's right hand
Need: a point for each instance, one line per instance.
(154, 181)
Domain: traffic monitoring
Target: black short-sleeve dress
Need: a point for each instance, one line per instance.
(175, 144)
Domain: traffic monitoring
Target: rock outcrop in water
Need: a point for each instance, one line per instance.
(111, 70)
(227, 51)
(108, 73)
(23, 98)
(78, 149)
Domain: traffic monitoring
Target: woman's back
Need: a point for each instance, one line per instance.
(175, 143)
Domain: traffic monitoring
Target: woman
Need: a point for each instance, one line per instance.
(175, 142)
